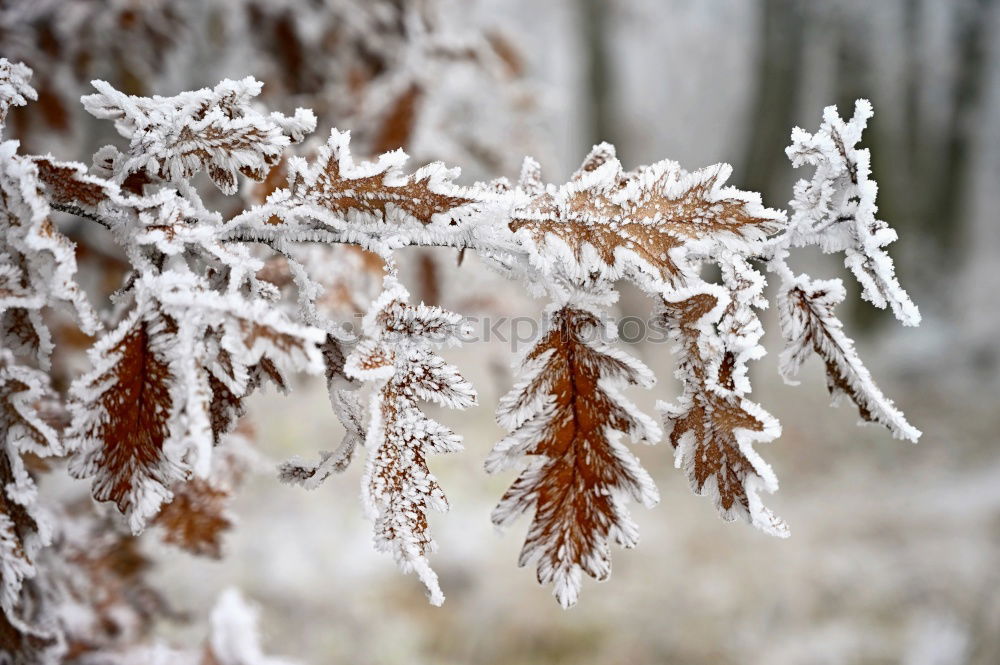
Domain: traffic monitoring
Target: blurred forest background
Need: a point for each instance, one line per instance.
(895, 549)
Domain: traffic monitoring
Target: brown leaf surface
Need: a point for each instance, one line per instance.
(646, 213)
(576, 488)
(710, 415)
(196, 518)
(134, 393)
(69, 183)
(341, 192)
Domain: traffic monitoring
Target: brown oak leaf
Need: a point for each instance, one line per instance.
(568, 415)
(809, 325)
(639, 224)
(398, 356)
(712, 426)
(122, 416)
(196, 518)
(375, 189)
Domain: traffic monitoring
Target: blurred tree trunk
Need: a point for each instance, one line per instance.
(901, 143)
(924, 175)
(595, 28)
(924, 167)
(947, 208)
(779, 72)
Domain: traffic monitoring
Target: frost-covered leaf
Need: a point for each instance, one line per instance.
(24, 528)
(713, 426)
(169, 382)
(808, 325)
(398, 488)
(836, 209)
(217, 130)
(567, 414)
(127, 412)
(37, 262)
(14, 87)
(374, 204)
(639, 224)
(242, 345)
(69, 184)
(258, 339)
(375, 189)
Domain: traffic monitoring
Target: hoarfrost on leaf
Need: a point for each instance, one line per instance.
(215, 130)
(836, 209)
(567, 414)
(397, 358)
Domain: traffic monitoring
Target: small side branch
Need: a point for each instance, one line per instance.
(80, 212)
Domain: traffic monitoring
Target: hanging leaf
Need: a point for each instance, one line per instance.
(125, 416)
(809, 325)
(566, 413)
(712, 426)
(398, 488)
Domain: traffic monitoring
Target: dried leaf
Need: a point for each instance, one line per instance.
(196, 518)
(376, 189)
(398, 488)
(567, 413)
(124, 409)
(809, 325)
(217, 130)
(712, 426)
(836, 209)
(640, 224)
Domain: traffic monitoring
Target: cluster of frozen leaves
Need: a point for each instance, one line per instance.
(193, 331)
(654, 226)
(36, 272)
(835, 210)
(426, 74)
(213, 309)
(402, 74)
